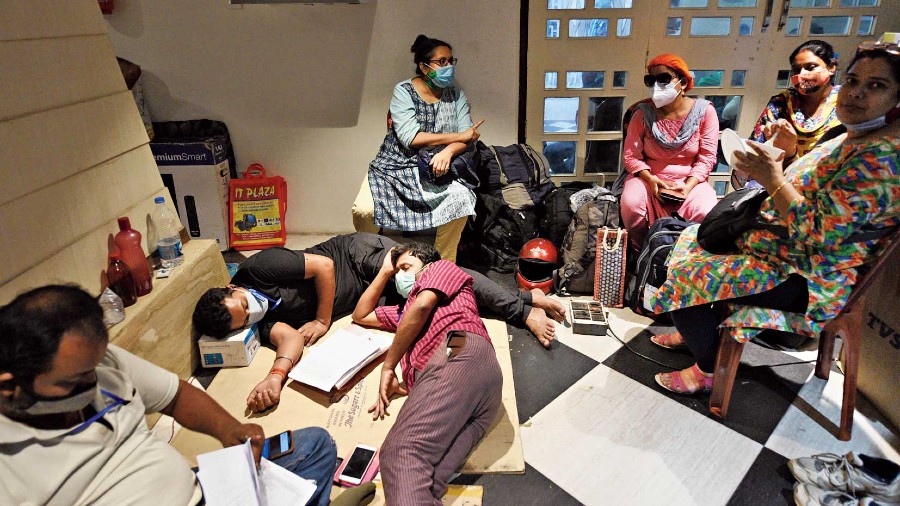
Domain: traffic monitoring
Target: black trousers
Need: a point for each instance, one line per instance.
(699, 325)
(358, 257)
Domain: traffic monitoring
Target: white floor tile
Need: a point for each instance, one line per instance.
(610, 440)
(810, 424)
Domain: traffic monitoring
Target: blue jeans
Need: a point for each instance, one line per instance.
(314, 458)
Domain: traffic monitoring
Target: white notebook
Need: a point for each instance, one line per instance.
(332, 362)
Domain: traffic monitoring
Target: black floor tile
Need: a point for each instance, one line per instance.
(531, 488)
(767, 482)
(762, 393)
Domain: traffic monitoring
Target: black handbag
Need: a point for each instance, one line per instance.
(735, 214)
(462, 168)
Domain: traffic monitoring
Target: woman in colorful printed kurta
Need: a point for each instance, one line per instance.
(426, 111)
(802, 114)
(847, 185)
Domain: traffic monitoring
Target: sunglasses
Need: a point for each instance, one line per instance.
(888, 47)
(663, 79)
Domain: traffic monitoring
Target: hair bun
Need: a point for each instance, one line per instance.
(421, 39)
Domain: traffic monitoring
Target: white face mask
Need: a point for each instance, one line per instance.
(664, 95)
(404, 282)
(872, 124)
(256, 305)
(76, 401)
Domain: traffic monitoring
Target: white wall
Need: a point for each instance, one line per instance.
(304, 89)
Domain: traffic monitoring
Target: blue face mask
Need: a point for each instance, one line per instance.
(404, 282)
(441, 77)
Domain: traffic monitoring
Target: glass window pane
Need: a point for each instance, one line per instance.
(585, 79)
(584, 28)
(792, 27)
(560, 115)
(800, 4)
(859, 3)
(561, 156)
(673, 26)
(605, 114)
(552, 28)
(564, 4)
(550, 80)
(708, 78)
(710, 26)
(783, 79)
(728, 109)
(619, 78)
(737, 3)
(721, 188)
(737, 78)
(602, 156)
(623, 27)
(829, 25)
(866, 25)
(675, 4)
(612, 4)
(746, 27)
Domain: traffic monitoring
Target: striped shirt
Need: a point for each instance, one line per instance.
(456, 310)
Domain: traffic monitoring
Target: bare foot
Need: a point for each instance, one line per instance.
(541, 326)
(265, 395)
(553, 307)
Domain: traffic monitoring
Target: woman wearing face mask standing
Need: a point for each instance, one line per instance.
(801, 115)
(427, 111)
(670, 145)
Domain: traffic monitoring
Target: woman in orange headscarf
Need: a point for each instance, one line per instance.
(670, 149)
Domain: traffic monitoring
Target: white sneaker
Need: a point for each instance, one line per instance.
(858, 475)
(811, 495)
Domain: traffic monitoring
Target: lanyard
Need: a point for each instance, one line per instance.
(117, 401)
(273, 303)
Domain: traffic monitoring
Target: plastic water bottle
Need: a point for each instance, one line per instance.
(113, 310)
(168, 232)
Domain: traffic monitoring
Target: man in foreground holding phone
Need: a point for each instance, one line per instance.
(72, 407)
(449, 367)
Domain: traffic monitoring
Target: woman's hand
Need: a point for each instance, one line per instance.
(471, 134)
(684, 187)
(786, 139)
(440, 163)
(761, 166)
(656, 184)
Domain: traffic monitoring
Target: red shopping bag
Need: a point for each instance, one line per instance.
(257, 205)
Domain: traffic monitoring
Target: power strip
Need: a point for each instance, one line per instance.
(588, 317)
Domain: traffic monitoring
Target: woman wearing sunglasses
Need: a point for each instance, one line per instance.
(799, 116)
(670, 149)
(427, 111)
(837, 204)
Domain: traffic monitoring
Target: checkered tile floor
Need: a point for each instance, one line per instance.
(597, 430)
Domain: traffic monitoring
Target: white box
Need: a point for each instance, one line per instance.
(197, 175)
(234, 350)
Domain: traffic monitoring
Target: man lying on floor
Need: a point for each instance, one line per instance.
(449, 367)
(294, 295)
(72, 407)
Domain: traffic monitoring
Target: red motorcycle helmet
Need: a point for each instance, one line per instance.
(538, 259)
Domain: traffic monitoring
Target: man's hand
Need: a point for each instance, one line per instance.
(240, 433)
(312, 331)
(389, 386)
(266, 394)
(386, 266)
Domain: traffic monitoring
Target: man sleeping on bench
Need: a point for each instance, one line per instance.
(294, 296)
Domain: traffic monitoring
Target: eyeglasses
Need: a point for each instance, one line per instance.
(443, 62)
(663, 78)
(888, 47)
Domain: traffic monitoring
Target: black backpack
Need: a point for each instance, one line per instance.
(579, 248)
(557, 214)
(517, 174)
(652, 264)
(493, 238)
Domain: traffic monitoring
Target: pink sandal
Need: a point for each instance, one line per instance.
(687, 381)
(670, 341)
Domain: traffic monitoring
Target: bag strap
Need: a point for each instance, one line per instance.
(615, 246)
(503, 179)
(255, 171)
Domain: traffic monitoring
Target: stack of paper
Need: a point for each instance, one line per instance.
(334, 361)
(229, 477)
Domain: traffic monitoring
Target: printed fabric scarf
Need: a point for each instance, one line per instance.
(690, 125)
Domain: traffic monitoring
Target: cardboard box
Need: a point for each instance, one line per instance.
(234, 350)
(197, 173)
(879, 374)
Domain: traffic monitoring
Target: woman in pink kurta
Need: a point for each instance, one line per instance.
(671, 145)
